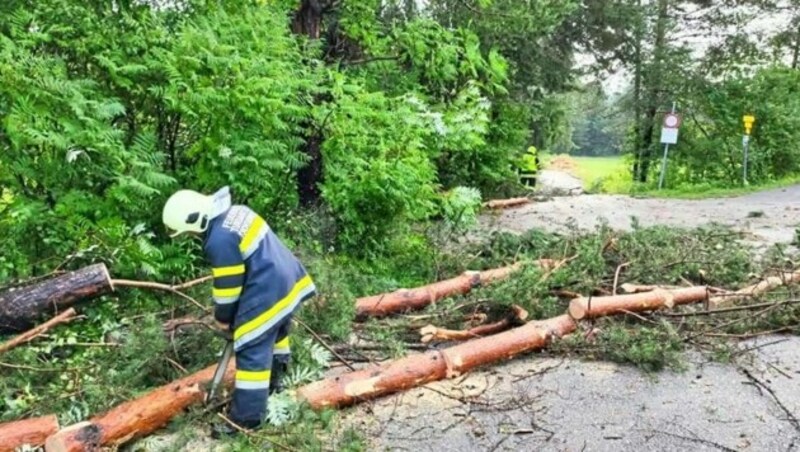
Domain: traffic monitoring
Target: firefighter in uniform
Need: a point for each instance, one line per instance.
(528, 166)
(258, 286)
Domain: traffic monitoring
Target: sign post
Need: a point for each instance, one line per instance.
(748, 120)
(669, 135)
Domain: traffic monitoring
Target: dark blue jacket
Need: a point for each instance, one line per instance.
(257, 281)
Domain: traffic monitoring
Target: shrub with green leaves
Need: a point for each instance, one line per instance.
(378, 177)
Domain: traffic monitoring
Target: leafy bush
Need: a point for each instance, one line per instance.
(378, 177)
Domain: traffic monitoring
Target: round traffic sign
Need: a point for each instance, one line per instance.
(672, 121)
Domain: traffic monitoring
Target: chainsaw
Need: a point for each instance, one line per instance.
(222, 366)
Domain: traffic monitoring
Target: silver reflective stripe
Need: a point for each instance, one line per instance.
(225, 300)
(275, 320)
(281, 351)
(262, 232)
(242, 384)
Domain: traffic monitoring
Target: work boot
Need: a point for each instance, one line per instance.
(279, 369)
(224, 429)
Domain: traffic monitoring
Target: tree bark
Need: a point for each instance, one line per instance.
(29, 335)
(516, 317)
(505, 203)
(417, 298)
(307, 21)
(138, 417)
(310, 176)
(637, 95)
(32, 432)
(21, 307)
(654, 81)
(581, 308)
(419, 369)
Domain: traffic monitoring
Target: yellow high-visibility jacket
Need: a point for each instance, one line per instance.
(527, 164)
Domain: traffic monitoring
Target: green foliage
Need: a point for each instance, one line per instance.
(378, 177)
(593, 117)
(76, 380)
(238, 91)
(647, 347)
(457, 89)
(460, 208)
(333, 310)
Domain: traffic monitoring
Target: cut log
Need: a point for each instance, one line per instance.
(515, 318)
(419, 369)
(410, 299)
(581, 308)
(496, 204)
(138, 417)
(20, 308)
(31, 432)
(29, 335)
(770, 283)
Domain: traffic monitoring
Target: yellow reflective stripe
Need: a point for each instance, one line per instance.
(233, 270)
(283, 343)
(279, 306)
(251, 234)
(249, 375)
(223, 293)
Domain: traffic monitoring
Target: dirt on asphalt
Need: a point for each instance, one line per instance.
(768, 217)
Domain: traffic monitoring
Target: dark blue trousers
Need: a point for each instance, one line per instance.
(254, 365)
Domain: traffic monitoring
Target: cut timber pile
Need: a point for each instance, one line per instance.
(21, 307)
(418, 369)
(32, 432)
(137, 417)
(410, 299)
(506, 203)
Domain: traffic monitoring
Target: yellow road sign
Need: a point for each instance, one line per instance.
(748, 120)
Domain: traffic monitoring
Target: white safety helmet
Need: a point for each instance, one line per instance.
(187, 211)
(190, 211)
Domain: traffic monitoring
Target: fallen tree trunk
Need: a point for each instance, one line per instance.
(136, 417)
(755, 290)
(21, 307)
(418, 369)
(496, 204)
(515, 318)
(410, 299)
(31, 432)
(581, 308)
(29, 335)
